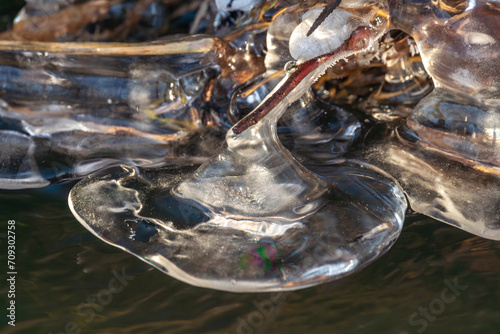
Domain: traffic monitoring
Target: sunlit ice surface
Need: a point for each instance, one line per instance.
(292, 247)
(252, 217)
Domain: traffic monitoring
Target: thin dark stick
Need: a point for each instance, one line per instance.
(329, 8)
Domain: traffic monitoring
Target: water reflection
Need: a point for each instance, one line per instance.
(63, 265)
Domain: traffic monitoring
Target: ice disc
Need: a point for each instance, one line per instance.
(356, 219)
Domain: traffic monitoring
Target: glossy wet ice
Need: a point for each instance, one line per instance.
(140, 104)
(446, 190)
(251, 218)
(250, 253)
(460, 50)
(254, 198)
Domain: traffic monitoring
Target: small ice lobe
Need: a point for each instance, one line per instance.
(326, 38)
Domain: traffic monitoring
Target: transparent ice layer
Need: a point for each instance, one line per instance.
(87, 105)
(457, 127)
(252, 218)
(316, 131)
(18, 168)
(459, 44)
(405, 81)
(462, 196)
(358, 218)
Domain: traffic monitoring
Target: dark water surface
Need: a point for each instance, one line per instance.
(436, 279)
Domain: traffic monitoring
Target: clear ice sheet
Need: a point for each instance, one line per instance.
(440, 188)
(139, 104)
(18, 168)
(460, 50)
(456, 127)
(347, 212)
(134, 209)
(252, 218)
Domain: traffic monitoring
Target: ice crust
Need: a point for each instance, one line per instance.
(325, 39)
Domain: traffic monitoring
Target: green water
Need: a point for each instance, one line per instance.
(66, 283)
